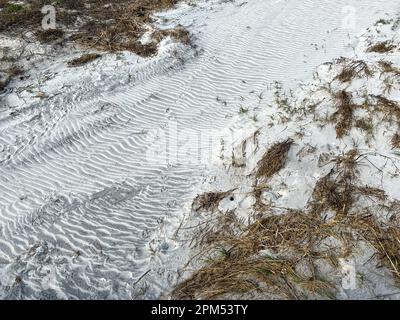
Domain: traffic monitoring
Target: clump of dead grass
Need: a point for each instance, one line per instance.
(10, 73)
(274, 159)
(382, 47)
(241, 267)
(14, 71)
(19, 16)
(337, 192)
(336, 195)
(50, 35)
(365, 124)
(353, 69)
(389, 108)
(84, 59)
(104, 25)
(238, 275)
(178, 33)
(396, 141)
(388, 67)
(125, 24)
(344, 112)
(344, 118)
(209, 201)
(265, 256)
(384, 238)
(281, 254)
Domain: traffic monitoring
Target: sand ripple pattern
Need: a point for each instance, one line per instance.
(84, 214)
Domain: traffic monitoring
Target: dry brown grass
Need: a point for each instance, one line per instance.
(10, 73)
(353, 69)
(209, 201)
(365, 124)
(120, 27)
(48, 36)
(239, 263)
(388, 67)
(396, 141)
(344, 113)
(84, 59)
(102, 24)
(344, 118)
(389, 108)
(239, 267)
(15, 71)
(384, 238)
(337, 193)
(14, 17)
(178, 33)
(274, 159)
(282, 254)
(382, 47)
(236, 276)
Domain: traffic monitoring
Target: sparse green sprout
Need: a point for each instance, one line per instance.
(382, 21)
(12, 7)
(243, 110)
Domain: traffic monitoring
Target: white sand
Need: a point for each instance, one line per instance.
(86, 210)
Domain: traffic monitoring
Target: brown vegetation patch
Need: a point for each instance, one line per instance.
(84, 59)
(353, 69)
(9, 74)
(365, 124)
(274, 159)
(344, 118)
(102, 24)
(179, 33)
(331, 194)
(209, 201)
(396, 141)
(21, 16)
(294, 239)
(47, 36)
(384, 238)
(382, 47)
(388, 67)
(337, 193)
(15, 71)
(389, 108)
(344, 113)
(120, 26)
(240, 267)
(281, 254)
